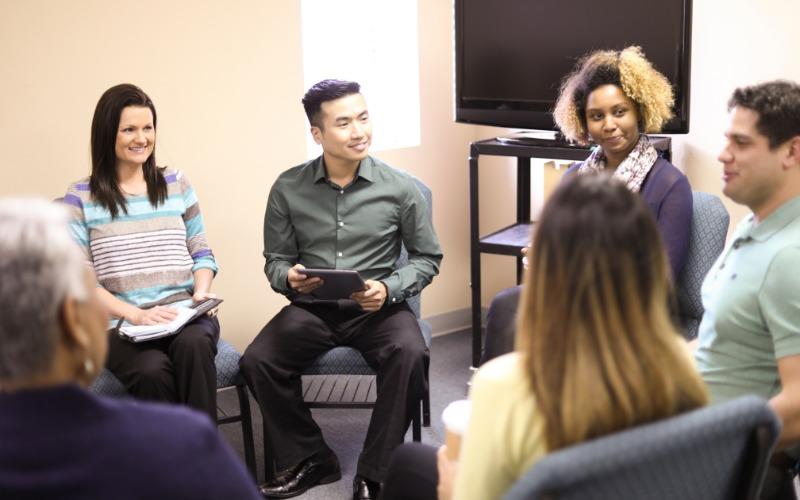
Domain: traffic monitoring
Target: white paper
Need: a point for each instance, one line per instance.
(184, 314)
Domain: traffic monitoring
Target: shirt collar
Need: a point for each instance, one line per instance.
(774, 222)
(365, 169)
(319, 169)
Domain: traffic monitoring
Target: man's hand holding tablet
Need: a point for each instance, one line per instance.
(332, 284)
(300, 282)
(373, 297)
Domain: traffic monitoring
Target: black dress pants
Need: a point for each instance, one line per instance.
(391, 343)
(175, 369)
(501, 323)
(412, 473)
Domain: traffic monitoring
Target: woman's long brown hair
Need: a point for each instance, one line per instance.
(103, 183)
(600, 349)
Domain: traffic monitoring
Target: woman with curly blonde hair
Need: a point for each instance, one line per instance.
(612, 99)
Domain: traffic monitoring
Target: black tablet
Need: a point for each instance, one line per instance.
(337, 283)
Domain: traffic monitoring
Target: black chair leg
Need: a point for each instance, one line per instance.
(247, 430)
(269, 461)
(426, 399)
(426, 409)
(416, 429)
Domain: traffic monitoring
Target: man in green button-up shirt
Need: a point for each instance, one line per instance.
(344, 210)
(313, 222)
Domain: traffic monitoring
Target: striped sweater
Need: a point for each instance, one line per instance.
(148, 255)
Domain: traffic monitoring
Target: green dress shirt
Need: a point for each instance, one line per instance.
(314, 222)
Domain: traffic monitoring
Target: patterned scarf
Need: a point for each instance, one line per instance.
(634, 167)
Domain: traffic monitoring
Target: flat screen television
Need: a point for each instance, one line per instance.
(511, 55)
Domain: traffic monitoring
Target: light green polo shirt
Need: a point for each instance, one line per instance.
(314, 222)
(751, 298)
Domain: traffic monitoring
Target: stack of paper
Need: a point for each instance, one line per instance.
(141, 333)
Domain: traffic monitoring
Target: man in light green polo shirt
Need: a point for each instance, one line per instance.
(749, 339)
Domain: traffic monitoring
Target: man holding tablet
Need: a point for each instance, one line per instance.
(346, 211)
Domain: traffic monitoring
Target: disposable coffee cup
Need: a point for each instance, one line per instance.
(456, 419)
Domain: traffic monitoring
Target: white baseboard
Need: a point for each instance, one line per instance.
(453, 321)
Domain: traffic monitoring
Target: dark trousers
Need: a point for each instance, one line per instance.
(391, 343)
(778, 484)
(176, 369)
(501, 323)
(412, 473)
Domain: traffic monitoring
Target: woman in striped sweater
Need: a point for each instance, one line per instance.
(142, 232)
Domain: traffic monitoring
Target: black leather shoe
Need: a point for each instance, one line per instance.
(364, 489)
(297, 480)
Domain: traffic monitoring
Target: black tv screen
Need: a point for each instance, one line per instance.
(511, 55)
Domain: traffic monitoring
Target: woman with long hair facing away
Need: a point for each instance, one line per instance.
(142, 232)
(611, 100)
(596, 349)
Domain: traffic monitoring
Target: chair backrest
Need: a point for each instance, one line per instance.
(414, 302)
(706, 241)
(714, 453)
(226, 362)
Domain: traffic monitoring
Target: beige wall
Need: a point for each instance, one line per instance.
(226, 78)
(735, 43)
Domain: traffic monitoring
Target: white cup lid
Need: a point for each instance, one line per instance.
(456, 416)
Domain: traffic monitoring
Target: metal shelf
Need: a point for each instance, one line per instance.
(511, 239)
(507, 241)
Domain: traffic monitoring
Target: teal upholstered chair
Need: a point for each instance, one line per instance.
(720, 452)
(706, 241)
(227, 363)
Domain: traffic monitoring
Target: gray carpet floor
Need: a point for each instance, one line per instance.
(344, 429)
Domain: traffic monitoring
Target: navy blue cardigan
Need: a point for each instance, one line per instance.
(668, 194)
(64, 442)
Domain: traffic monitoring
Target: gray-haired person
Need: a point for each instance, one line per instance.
(58, 439)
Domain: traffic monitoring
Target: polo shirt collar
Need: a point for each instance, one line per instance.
(776, 221)
(365, 169)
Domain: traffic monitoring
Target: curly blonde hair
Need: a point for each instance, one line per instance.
(627, 69)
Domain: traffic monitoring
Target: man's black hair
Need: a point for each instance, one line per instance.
(326, 90)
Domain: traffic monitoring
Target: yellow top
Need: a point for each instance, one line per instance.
(505, 434)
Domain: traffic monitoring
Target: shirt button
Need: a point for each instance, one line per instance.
(394, 299)
(339, 254)
(341, 192)
(341, 223)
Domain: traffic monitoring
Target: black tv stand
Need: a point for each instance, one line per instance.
(538, 138)
(512, 238)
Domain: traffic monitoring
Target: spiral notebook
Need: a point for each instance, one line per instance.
(142, 333)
